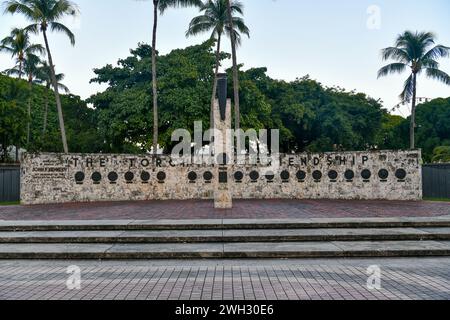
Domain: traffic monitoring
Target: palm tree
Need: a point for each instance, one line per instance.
(31, 70)
(45, 15)
(215, 18)
(415, 51)
(18, 45)
(159, 7)
(237, 112)
(46, 78)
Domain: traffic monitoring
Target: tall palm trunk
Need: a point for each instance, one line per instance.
(20, 77)
(237, 113)
(44, 129)
(154, 79)
(20, 67)
(30, 89)
(216, 71)
(412, 128)
(57, 97)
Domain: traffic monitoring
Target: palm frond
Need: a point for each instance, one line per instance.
(199, 25)
(62, 8)
(63, 87)
(35, 48)
(7, 50)
(237, 7)
(56, 26)
(437, 52)
(165, 4)
(395, 53)
(215, 18)
(239, 24)
(391, 69)
(33, 28)
(20, 6)
(408, 89)
(438, 75)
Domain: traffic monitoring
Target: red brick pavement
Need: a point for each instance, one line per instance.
(243, 209)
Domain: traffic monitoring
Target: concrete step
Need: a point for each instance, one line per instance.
(228, 236)
(261, 250)
(224, 224)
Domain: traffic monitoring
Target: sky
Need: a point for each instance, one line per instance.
(338, 43)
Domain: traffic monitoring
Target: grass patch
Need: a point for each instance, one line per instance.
(9, 203)
(437, 199)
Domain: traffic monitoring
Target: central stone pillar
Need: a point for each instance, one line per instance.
(223, 146)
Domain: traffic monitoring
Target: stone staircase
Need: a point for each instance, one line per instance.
(225, 238)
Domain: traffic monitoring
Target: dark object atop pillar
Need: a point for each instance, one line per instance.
(222, 94)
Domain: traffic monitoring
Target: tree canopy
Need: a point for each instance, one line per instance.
(310, 116)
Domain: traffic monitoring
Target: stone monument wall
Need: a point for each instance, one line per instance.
(57, 178)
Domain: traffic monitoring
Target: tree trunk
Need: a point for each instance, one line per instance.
(44, 129)
(20, 78)
(412, 128)
(57, 97)
(214, 92)
(20, 68)
(237, 113)
(154, 79)
(30, 88)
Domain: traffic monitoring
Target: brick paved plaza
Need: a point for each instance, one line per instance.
(242, 209)
(215, 280)
(307, 279)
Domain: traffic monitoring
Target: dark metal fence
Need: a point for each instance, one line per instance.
(436, 181)
(9, 183)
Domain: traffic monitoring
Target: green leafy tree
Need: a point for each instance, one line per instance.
(215, 19)
(46, 15)
(416, 52)
(441, 154)
(31, 69)
(12, 113)
(393, 133)
(81, 121)
(184, 84)
(433, 120)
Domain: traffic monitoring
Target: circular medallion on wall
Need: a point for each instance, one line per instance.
(208, 176)
(238, 176)
(192, 176)
(333, 175)
(366, 174)
(96, 177)
(400, 174)
(254, 175)
(349, 174)
(129, 176)
(145, 176)
(79, 176)
(113, 176)
(285, 175)
(317, 175)
(383, 174)
(301, 175)
(161, 176)
(270, 176)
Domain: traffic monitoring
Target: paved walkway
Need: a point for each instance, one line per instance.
(243, 209)
(223, 279)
